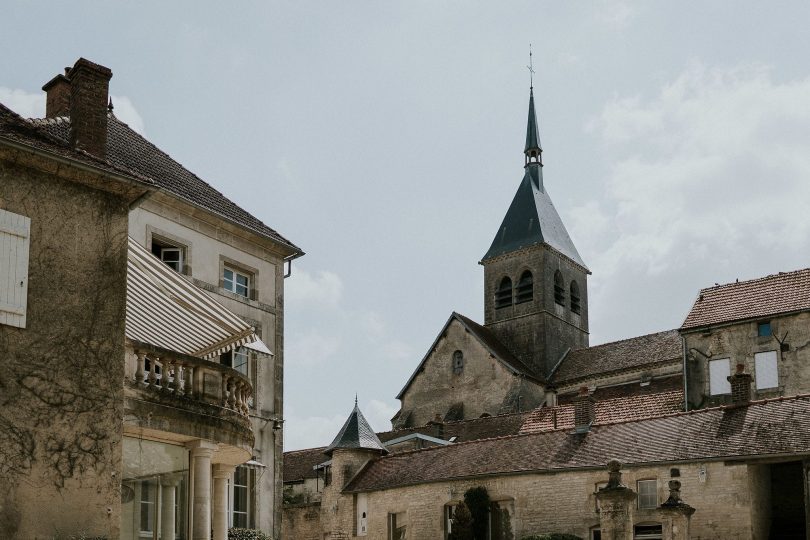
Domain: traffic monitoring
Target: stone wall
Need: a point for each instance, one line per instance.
(483, 385)
(566, 501)
(61, 377)
(739, 343)
(301, 521)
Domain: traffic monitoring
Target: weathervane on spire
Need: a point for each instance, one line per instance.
(530, 67)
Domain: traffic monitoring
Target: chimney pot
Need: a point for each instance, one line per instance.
(89, 87)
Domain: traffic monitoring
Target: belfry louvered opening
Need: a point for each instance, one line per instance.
(525, 288)
(503, 296)
(559, 288)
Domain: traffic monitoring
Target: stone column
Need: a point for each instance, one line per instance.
(221, 474)
(675, 514)
(201, 453)
(616, 506)
(168, 485)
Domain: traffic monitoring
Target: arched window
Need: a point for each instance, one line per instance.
(575, 303)
(523, 292)
(559, 288)
(503, 296)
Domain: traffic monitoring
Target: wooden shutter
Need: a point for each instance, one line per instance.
(15, 232)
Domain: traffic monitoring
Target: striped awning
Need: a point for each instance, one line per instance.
(166, 310)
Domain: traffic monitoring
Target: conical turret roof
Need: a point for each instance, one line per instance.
(356, 433)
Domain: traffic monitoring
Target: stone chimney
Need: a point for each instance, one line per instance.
(57, 96)
(89, 85)
(740, 386)
(584, 412)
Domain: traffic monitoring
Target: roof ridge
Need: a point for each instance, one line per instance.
(304, 450)
(754, 280)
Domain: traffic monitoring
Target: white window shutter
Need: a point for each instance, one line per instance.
(15, 232)
(766, 370)
(719, 370)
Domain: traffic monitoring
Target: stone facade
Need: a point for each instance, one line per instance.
(739, 343)
(60, 418)
(541, 331)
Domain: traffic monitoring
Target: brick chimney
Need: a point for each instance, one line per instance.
(740, 386)
(584, 412)
(89, 85)
(57, 96)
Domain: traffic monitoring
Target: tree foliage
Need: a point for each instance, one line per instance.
(478, 502)
(462, 524)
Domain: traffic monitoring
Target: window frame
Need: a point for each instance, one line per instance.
(248, 487)
(151, 508)
(457, 362)
(722, 384)
(504, 286)
(234, 281)
(559, 288)
(575, 298)
(764, 329)
(165, 240)
(524, 290)
(759, 360)
(392, 525)
(646, 482)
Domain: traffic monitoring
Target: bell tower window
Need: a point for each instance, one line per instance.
(575, 302)
(503, 296)
(559, 288)
(524, 291)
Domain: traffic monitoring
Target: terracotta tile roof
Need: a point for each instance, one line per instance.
(784, 292)
(609, 411)
(773, 427)
(627, 354)
(655, 386)
(17, 129)
(299, 464)
(465, 430)
(129, 150)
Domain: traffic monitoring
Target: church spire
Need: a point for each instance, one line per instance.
(533, 151)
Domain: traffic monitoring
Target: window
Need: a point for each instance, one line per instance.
(525, 286)
(764, 329)
(503, 296)
(718, 377)
(499, 526)
(647, 531)
(449, 513)
(575, 305)
(559, 288)
(15, 232)
(172, 255)
(147, 503)
(458, 362)
(647, 494)
(766, 370)
(397, 526)
(240, 498)
(596, 534)
(361, 501)
(236, 282)
(238, 359)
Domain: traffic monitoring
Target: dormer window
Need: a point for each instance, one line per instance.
(525, 286)
(503, 296)
(559, 288)
(575, 302)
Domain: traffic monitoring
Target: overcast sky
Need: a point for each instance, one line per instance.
(386, 138)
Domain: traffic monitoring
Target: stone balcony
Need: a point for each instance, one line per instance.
(181, 397)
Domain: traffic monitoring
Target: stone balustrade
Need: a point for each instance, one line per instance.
(187, 377)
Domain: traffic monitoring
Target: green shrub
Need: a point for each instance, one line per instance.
(247, 534)
(478, 503)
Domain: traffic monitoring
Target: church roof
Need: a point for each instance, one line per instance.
(532, 218)
(627, 354)
(784, 292)
(355, 433)
(774, 427)
(129, 151)
(487, 339)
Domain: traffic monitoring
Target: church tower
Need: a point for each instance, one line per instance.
(535, 282)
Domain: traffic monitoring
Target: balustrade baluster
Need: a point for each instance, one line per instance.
(165, 370)
(139, 366)
(231, 397)
(152, 375)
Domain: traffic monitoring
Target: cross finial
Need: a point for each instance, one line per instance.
(530, 67)
(355, 399)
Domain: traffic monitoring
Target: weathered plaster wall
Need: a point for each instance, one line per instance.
(301, 522)
(483, 385)
(739, 343)
(60, 377)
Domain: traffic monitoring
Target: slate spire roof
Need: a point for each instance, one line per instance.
(532, 136)
(532, 218)
(356, 433)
